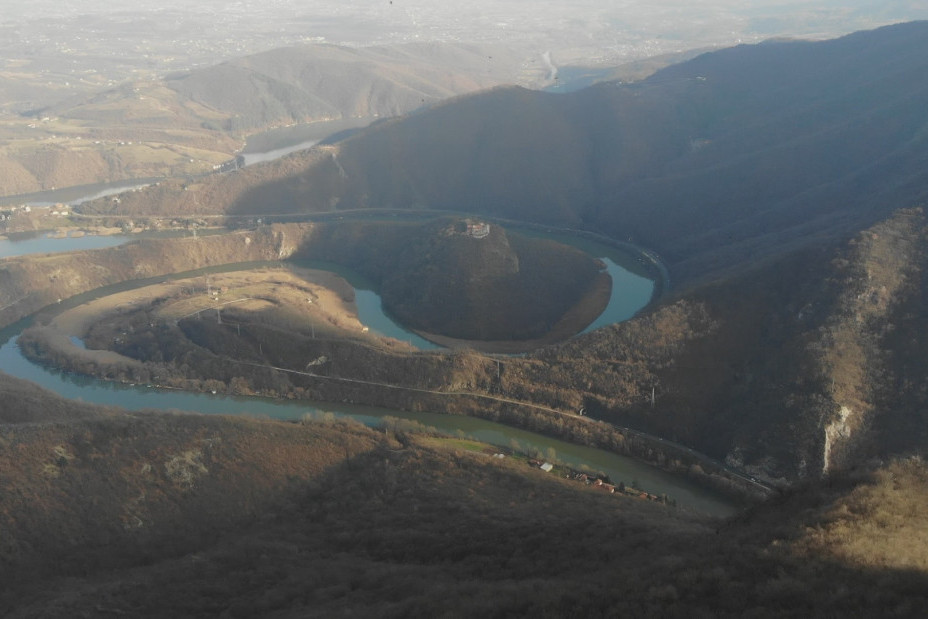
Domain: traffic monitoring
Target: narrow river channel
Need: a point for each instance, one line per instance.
(140, 397)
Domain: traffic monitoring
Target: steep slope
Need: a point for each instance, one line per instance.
(733, 156)
(192, 123)
(155, 515)
(326, 82)
(801, 366)
(730, 156)
(109, 490)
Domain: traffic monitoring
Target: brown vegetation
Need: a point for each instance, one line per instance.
(31, 282)
(153, 514)
(759, 371)
(437, 278)
(695, 162)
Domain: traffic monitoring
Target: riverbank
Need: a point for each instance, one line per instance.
(273, 362)
(545, 390)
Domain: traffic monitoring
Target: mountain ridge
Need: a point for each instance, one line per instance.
(708, 172)
(195, 515)
(188, 124)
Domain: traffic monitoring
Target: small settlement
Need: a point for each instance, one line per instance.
(602, 483)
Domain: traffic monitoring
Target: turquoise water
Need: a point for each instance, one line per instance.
(142, 397)
(630, 293)
(371, 314)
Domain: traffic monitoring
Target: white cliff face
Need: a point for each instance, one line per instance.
(285, 247)
(836, 432)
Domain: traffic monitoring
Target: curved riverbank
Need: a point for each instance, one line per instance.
(508, 391)
(592, 305)
(402, 402)
(462, 392)
(688, 493)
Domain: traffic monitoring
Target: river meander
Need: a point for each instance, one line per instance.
(140, 397)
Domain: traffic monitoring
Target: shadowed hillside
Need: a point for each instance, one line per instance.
(810, 363)
(464, 278)
(154, 515)
(731, 157)
(190, 124)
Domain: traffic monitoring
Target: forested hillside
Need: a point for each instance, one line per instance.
(732, 157)
(190, 123)
(152, 514)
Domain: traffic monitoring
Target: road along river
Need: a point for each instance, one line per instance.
(140, 397)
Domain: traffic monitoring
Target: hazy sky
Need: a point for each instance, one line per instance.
(105, 41)
(623, 27)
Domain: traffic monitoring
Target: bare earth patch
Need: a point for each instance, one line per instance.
(301, 300)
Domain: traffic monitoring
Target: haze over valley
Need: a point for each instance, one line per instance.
(484, 310)
(99, 93)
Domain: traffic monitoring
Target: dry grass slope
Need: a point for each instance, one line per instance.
(155, 515)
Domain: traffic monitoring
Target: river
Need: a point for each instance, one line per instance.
(253, 158)
(77, 194)
(266, 146)
(40, 243)
(139, 397)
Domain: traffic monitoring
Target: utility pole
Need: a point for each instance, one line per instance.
(652, 397)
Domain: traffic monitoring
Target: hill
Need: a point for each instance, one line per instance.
(802, 365)
(466, 279)
(191, 123)
(735, 155)
(799, 366)
(153, 514)
(732, 157)
(327, 82)
(809, 363)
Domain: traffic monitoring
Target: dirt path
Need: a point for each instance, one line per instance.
(74, 323)
(298, 298)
